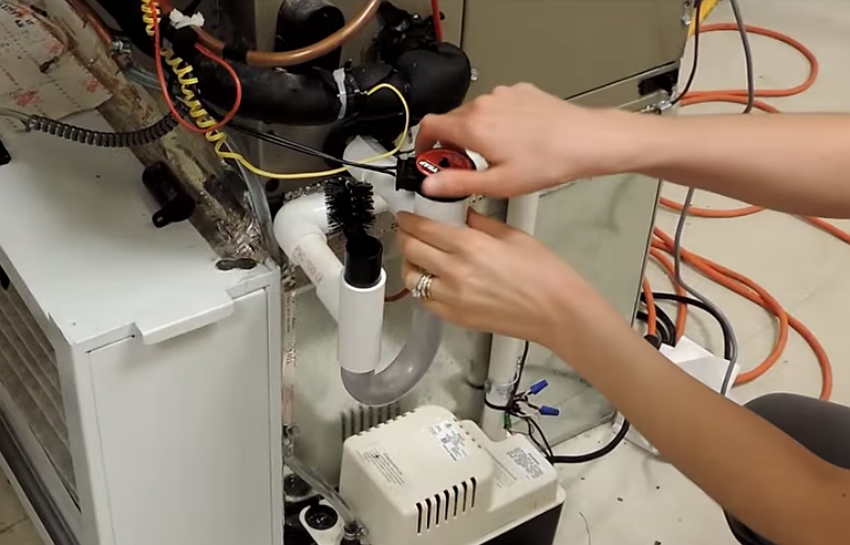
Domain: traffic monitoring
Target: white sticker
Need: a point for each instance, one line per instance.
(451, 438)
(527, 462)
(384, 464)
(502, 474)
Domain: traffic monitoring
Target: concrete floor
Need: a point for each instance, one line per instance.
(630, 498)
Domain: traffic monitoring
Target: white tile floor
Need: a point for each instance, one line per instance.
(630, 498)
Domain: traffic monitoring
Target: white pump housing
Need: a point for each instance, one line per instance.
(428, 479)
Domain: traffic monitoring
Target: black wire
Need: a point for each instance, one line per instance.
(662, 333)
(727, 334)
(690, 301)
(697, 25)
(548, 448)
(591, 456)
(304, 149)
(604, 451)
(522, 362)
(664, 324)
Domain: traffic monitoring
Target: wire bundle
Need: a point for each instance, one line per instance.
(745, 287)
(205, 123)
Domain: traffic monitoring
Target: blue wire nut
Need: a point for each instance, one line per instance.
(538, 387)
(545, 410)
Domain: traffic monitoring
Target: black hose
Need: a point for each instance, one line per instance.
(81, 135)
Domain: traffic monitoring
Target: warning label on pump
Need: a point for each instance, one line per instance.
(384, 464)
(527, 462)
(451, 438)
(516, 465)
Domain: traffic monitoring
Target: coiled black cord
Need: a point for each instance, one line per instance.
(81, 135)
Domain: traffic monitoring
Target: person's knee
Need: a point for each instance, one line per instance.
(770, 406)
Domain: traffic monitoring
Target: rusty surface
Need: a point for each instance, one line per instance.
(225, 222)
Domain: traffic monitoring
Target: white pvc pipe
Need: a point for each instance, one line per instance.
(506, 351)
(361, 322)
(301, 228)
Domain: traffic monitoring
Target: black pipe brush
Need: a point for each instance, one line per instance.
(351, 212)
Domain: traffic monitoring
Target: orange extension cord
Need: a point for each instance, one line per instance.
(745, 287)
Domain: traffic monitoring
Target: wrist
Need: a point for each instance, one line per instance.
(617, 142)
(579, 320)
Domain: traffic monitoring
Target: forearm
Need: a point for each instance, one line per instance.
(798, 164)
(748, 466)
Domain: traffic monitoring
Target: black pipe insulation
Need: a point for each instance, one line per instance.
(267, 95)
(433, 77)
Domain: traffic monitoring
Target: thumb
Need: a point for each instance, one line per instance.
(462, 183)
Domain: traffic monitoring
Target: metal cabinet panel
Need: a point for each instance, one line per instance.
(187, 435)
(569, 47)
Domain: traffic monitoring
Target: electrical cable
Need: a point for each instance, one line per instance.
(591, 456)
(607, 449)
(736, 282)
(204, 124)
(286, 143)
(396, 297)
(207, 126)
(680, 227)
(666, 322)
(437, 15)
(701, 305)
(82, 135)
(695, 63)
(747, 288)
(322, 174)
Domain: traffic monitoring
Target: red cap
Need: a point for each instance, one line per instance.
(435, 160)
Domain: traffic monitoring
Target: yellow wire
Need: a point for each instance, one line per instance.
(321, 174)
(185, 77)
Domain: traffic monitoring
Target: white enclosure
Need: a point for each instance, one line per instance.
(139, 384)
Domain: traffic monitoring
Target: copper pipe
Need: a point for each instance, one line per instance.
(270, 59)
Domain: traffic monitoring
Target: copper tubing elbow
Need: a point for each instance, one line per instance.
(269, 59)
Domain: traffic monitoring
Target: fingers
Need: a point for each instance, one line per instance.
(438, 235)
(462, 183)
(489, 226)
(412, 276)
(422, 255)
(446, 129)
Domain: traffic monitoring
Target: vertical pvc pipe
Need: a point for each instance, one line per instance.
(506, 351)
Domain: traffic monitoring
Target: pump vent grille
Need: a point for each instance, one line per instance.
(29, 374)
(449, 504)
(362, 418)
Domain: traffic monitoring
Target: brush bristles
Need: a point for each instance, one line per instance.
(350, 204)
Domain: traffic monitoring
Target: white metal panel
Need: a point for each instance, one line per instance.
(188, 435)
(77, 239)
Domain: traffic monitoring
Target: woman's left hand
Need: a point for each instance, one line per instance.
(490, 277)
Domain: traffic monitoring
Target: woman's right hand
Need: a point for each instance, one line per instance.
(532, 141)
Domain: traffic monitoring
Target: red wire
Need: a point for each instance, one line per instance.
(438, 19)
(236, 81)
(397, 297)
(163, 85)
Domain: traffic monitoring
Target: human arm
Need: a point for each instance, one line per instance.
(794, 163)
(493, 278)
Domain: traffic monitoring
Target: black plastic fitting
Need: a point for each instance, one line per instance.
(364, 258)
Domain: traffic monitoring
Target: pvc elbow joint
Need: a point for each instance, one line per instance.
(354, 293)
